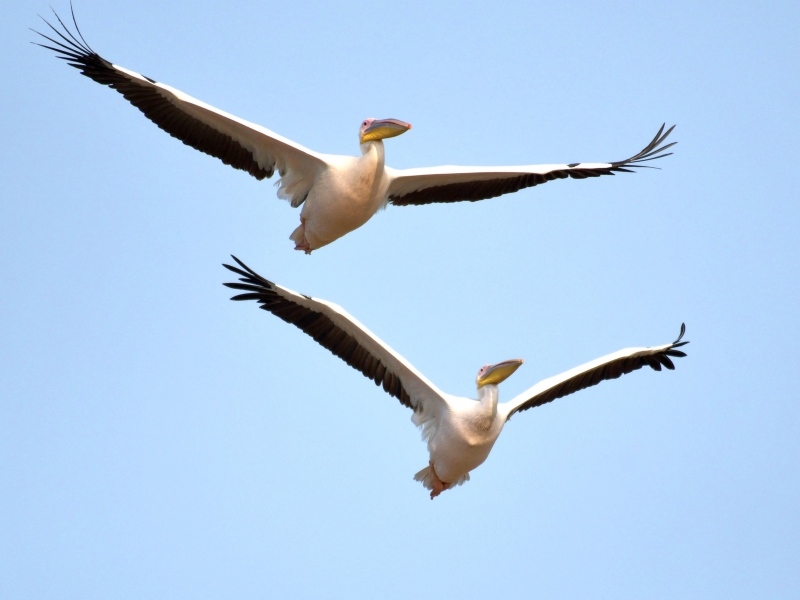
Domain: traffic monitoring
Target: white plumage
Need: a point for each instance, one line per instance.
(460, 432)
(338, 193)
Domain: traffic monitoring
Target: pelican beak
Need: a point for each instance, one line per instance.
(500, 372)
(380, 129)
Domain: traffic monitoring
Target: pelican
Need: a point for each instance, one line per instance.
(337, 193)
(460, 432)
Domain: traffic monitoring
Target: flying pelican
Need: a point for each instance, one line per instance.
(338, 193)
(460, 432)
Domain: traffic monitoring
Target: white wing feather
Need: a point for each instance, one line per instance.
(236, 142)
(456, 184)
(330, 326)
(607, 367)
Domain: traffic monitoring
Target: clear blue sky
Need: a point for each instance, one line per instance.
(159, 441)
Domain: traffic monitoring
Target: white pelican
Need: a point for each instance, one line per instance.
(460, 432)
(338, 193)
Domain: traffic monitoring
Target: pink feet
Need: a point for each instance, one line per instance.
(299, 238)
(438, 485)
(303, 246)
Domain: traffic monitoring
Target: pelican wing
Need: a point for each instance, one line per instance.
(457, 184)
(611, 366)
(236, 142)
(333, 328)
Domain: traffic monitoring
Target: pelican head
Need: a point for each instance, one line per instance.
(379, 129)
(494, 374)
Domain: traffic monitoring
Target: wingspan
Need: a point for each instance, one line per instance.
(334, 329)
(611, 366)
(236, 142)
(457, 184)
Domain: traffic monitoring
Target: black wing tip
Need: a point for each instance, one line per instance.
(252, 292)
(676, 343)
(655, 360)
(75, 45)
(662, 358)
(248, 275)
(77, 29)
(237, 269)
(666, 362)
(654, 150)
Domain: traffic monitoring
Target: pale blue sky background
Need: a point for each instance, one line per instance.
(159, 441)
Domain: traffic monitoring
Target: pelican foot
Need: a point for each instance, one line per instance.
(438, 485)
(299, 238)
(304, 247)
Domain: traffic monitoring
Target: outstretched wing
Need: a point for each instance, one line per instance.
(333, 328)
(236, 142)
(611, 366)
(457, 184)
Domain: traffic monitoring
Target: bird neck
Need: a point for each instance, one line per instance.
(487, 398)
(374, 149)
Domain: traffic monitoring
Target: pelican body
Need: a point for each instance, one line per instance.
(338, 193)
(349, 190)
(464, 433)
(460, 432)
